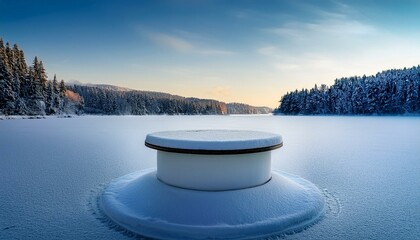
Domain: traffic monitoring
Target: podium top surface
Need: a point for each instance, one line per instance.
(213, 142)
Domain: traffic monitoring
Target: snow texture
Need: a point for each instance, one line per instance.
(52, 171)
(214, 139)
(144, 205)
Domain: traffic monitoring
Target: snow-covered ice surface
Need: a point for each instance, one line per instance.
(220, 139)
(52, 170)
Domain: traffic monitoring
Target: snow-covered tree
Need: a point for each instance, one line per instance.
(26, 89)
(388, 92)
(7, 93)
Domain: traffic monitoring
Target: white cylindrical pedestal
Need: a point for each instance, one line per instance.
(214, 172)
(214, 160)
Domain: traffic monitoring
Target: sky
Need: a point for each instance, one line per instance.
(234, 51)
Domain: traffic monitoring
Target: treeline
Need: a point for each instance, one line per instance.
(389, 92)
(26, 90)
(111, 100)
(240, 108)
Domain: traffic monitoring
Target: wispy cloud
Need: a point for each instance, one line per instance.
(332, 27)
(213, 51)
(192, 36)
(327, 40)
(327, 25)
(336, 25)
(180, 71)
(172, 42)
(286, 61)
(221, 91)
(270, 51)
(184, 45)
(252, 14)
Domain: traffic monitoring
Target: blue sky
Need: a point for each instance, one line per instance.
(243, 51)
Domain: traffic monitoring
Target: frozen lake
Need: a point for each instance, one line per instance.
(51, 170)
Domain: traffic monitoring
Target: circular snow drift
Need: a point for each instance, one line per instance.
(141, 203)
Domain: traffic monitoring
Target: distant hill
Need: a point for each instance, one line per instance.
(113, 100)
(104, 86)
(26, 90)
(240, 108)
(390, 92)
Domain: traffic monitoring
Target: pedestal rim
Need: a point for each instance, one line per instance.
(213, 152)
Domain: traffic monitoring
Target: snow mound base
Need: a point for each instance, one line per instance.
(142, 204)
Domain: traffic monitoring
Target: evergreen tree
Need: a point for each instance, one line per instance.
(37, 89)
(49, 99)
(43, 78)
(56, 93)
(20, 71)
(388, 92)
(37, 84)
(62, 95)
(25, 83)
(63, 88)
(27, 90)
(7, 95)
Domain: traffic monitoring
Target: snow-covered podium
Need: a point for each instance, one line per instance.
(214, 160)
(214, 184)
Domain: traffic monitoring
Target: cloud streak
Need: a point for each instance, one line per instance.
(183, 45)
(325, 24)
(221, 91)
(316, 42)
(333, 27)
(171, 42)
